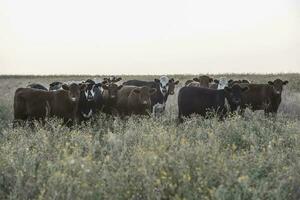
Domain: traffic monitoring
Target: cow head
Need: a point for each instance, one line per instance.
(163, 83)
(172, 84)
(166, 85)
(74, 91)
(55, 86)
(234, 94)
(278, 85)
(91, 90)
(144, 94)
(222, 83)
(112, 89)
(203, 80)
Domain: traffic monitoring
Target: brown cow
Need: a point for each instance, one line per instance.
(265, 97)
(64, 103)
(201, 81)
(31, 104)
(110, 96)
(135, 100)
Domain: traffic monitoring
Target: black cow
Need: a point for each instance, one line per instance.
(195, 100)
(265, 97)
(91, 100)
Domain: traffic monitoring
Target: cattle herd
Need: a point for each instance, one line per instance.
(80, 101)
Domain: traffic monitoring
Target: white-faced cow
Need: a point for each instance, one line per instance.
(219, 84)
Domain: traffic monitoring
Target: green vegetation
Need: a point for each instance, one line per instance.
(154, 158)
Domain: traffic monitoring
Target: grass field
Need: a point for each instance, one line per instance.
(153, 158)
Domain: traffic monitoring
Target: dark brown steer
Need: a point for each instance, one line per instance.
(110, 97)
(33, 104)
(135, 100)
(265, 97)
(30, 104)
(64, 103)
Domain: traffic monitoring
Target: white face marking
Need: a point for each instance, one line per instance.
(73, 99)
(92, 92)
(164, 84)
(222, 84)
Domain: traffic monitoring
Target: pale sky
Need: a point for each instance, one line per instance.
(149, 37)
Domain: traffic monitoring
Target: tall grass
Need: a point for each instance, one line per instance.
(145, 158)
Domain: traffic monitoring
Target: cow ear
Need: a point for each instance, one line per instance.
(216, 81)
(230, 81)
(270, 83)
(196, 79)
(211, 80)
(176, 83)
(152, 91)
(171, 80)
(120, 86)
(285, 82)
(156, 80)
(227, 89)
(105, 87)
(245, 89)
(65, 87)
(137, 91)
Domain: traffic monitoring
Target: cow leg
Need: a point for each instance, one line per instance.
(180, 120)
(267, 112)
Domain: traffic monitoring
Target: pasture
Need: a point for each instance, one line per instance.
(250, 157)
